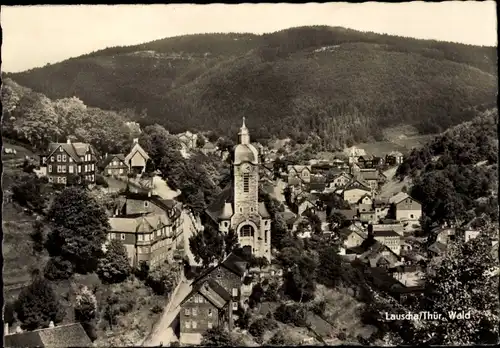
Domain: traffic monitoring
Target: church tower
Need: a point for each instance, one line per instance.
(250, 219)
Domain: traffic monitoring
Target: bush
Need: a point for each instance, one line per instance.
(114, 267)
(58, 269)
(292, 314)
(101, 181)
(162, 279)
(142, 271)
(157, 309)
(319, 307)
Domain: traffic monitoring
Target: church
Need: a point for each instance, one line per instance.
(238, 206)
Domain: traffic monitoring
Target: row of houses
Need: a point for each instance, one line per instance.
(80, 160)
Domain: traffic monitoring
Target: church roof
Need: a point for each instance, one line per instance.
(246, 153)
(216, 209)
(263, 211)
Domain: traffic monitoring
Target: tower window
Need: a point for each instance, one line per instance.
(246, 231)
(246, 183)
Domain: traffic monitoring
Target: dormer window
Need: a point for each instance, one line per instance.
(146, 204)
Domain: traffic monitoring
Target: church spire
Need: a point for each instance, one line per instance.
(244, 134)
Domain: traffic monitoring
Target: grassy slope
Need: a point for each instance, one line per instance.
(210, 81)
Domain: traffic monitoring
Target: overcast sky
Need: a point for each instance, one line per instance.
(36, 35)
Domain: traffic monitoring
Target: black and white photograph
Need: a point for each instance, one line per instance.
(244, 175)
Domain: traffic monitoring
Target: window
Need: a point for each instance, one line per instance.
(50, 169)
(158, 233)
(63, 179)
(64, 158)
(63, 169)
(70, 159)
(79, 169)
(121, 171)
(246, 183)
(226, 224)
(235, 306)
(123, 236)
(51, 179)
(246, 231)
(194, 324)
(188, 325)
(52, 158)
(112, 236)
(146, 204)
(195, 311)
(140, 237)
(411, 216)
(209, 324)
(59, 158)
(187, 312)
(71, 169)
(210, 313)
(235, 292)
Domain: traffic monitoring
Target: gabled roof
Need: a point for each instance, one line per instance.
(216, 209)
(438, 248)
(346, 232)
(360, 185)
(349, 214)
(71, 335)
(75, 150)
(232, 263)
(263, 211)
(288, 216)
(109, 158)
(385, 233)
(136, 148)
(369, 174)
(212, 291)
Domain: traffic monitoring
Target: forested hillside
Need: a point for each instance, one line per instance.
(296, 82)
(456, 175)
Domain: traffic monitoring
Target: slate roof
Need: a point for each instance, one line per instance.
(398, 197)
(71, 335)
(212, 291)
(136, 148)
(288, 216)
(369, 174)
(232, 262)
(142, 223)
(75, 150)
(438, 248)
(385, 233)
(109, 158)
(349, 214)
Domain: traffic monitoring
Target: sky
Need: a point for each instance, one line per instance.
(36, 35)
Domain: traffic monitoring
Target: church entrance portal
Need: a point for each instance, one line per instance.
(247, 250)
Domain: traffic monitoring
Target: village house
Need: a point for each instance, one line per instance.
(389, 238)
(137, 158)
(150, 228)
(188, 139)
(353, 153)
(340, 181)
(356, 189)
(69, 335)
(376, 254)
(229, 274)
(372, 177)
(352, 237)
(348, 214)
(409, 276)
(366, 213)
(114, 165)
(405, 208)
(386, 225)
(206, 307)
(299, 171)
(208, 148)
(382, 208)
(366, 161)
(66, 160)
(395, 158)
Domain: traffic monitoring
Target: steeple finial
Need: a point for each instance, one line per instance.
(243, 126)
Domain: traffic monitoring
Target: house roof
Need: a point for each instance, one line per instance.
(438, 247)
(380, 202)
(373, 249)
(346, 232)
(212, 291)
(385, 233)
(298, 168)
(109, 158)
(369, 174)
(136, 149)
(357, 184)
(349, 214)
(75, 150)
(71, 335)
(218, 207)
(400, 196)
(142, 223)
(263, 211)
(395, 154)
(288, 216)
(232, 263)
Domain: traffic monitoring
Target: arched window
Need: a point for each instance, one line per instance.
(246, 231)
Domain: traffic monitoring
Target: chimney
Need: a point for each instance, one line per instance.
(68, 140)
(6, 329)
(51, 324)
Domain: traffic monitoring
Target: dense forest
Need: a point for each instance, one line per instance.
(455, 176)
(298, 83)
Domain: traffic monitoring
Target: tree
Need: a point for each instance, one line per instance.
(85, 305)
(38, 304)
(300, 280)
(294, 314)
(260, 326)
(281, 338)
(80, 227)
(30, 191)
(162, 279)
(114, 267)
(207, 245)
(200, 141)
(217, 337)
(329, 271)
(38, 236)
(462, 281)
(230, 241)
(58, 268)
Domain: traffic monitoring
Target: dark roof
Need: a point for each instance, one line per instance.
(349, 214)
(288, 216)
(71, 335)
(380, 202)
(217, 206)
(369, 175)
(232, 262)
(107, 160)
(385, 233)
(75, 150)
(438, 247)
(211, 286)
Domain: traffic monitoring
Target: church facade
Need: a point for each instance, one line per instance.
(238, 206)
